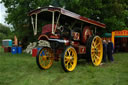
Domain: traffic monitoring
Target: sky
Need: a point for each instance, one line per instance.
(2, 14)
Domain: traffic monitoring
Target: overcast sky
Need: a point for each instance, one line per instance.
(2, 13)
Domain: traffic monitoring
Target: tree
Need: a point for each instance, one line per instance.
(114, 13)
(5, 32)
(18, 17)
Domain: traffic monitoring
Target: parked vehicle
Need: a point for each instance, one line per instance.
(71, 37)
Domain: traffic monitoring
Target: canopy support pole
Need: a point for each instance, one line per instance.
(53, 13)
(57, 22)
(32, 23)
(35, 30)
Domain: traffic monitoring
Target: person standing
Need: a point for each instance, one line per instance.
(104, 50)
(110, 50)
(15, 41)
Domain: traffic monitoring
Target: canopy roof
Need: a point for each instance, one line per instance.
(67, 13)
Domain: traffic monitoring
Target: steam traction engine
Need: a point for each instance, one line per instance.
(69, 37)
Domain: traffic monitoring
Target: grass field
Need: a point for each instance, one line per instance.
(21, 69)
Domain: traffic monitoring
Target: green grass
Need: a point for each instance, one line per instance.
(21, 69)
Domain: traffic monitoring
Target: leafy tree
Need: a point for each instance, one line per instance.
(114, 14)
(18, 16)
(5, 32)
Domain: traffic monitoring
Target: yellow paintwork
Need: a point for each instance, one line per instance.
(46, 60)
(118, 33)
(113, 36)
(70, 59)
(96, 50)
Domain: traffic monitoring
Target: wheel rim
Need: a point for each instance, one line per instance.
(46, 58)
(96, 51)
(70, 59)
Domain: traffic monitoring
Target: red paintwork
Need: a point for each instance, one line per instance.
(69, 14)
(75, 43)
(67, 42)
(47, 28)
(86, 33)
(55, 36)
(43, 36)
(34, 52)
(80, 49)
(47, 37)
(92, 22)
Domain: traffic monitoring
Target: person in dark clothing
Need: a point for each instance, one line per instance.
(110, 49)
(104, 50)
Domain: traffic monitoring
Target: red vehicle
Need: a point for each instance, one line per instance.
(70, 38)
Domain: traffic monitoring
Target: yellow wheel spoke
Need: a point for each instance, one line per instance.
(71, 63)
(93, 54)
(93, 50)
(72, 55)
(43, 63)
(66, 62)
(93, 47)
(97, 40)
(67, 58)
(94, 44)
(97, 57)
(97, 45)
(95, 61)
(66, 65)
(69, 52)
(93, 57)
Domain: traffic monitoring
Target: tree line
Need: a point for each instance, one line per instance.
(114, 13)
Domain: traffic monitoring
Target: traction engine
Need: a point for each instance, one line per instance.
(71, 37)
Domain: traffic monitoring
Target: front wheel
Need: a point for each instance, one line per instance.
(69, 59)
(44, 58)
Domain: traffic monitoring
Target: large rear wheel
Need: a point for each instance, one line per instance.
(44, 58)
(69, 59)
(95, 50)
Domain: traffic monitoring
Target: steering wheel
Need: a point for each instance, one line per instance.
(61, 28)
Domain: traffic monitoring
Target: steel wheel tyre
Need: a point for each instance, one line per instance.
(69, 59)
(95, 50)
(45, 58)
